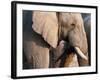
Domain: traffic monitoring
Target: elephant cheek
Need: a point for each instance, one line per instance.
(78, 39)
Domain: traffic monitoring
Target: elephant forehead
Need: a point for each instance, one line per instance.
(70, 18)
(66, 17)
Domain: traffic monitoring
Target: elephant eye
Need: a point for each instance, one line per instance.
(73, 25)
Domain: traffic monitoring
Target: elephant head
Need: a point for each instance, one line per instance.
(55, 27)
(72, 30)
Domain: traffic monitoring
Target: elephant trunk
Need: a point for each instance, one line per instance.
(77, 38)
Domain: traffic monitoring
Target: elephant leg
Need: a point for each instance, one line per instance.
(37, 56)
(40, 57)
(26, 62)
(36, 51)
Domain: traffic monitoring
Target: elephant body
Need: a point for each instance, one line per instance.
(41, 40)
(36, 50)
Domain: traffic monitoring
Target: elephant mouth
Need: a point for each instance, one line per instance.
(70, 48)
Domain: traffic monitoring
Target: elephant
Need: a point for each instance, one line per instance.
(47, 32)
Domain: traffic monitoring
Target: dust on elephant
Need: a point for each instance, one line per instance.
(49, 29)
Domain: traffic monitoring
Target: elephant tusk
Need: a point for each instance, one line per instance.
(79, 52)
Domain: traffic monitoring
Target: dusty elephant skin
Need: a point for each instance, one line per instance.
(45, 35)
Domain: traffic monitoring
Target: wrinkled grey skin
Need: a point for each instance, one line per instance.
(71, 32)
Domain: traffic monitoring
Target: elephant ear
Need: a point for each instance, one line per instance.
(46, 24)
